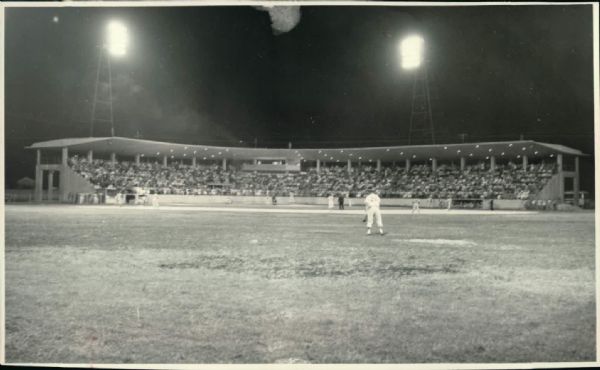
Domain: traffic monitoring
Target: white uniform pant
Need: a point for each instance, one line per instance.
(376, 213)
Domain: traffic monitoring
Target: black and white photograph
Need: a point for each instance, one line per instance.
(298, 182)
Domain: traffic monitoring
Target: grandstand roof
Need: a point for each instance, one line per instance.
(130, 147)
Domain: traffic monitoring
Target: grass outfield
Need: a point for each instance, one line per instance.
(111, 285)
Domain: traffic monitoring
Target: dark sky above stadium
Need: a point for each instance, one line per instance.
(223, 75)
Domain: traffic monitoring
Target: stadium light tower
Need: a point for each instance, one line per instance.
(114, 45)
(412, 58)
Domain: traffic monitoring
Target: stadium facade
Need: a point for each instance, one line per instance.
(53, 160)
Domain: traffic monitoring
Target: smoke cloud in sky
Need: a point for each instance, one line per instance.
(283, 18)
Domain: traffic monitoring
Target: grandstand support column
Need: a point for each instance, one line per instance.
(50, 184)
(224, 164)
(113, 158)
(349, 166)
(378, 165)
(62, 175)
(463, 163)
(318, 165)
(492, 163)
(576, 183)
(561, 177)
(39, 176)
(137, 159)
(525, 163)
(90, 155)
(407, 165)
(193, 161)
(559, 162)
(164, 161)
(65, 156)
(434, 164)
(39, 180)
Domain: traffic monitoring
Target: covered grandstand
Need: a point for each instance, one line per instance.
(510, 172)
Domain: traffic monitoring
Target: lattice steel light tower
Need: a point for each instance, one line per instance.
(114, 45)
(421, 130)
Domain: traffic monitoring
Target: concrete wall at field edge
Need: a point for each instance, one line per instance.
(551, 190)
(167, 199)
(72, 182)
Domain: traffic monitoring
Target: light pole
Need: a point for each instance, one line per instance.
(412, 51)
(114, 45)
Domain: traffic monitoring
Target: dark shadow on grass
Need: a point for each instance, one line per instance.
(280, 268)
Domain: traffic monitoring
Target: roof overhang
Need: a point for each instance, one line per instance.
(130, 147)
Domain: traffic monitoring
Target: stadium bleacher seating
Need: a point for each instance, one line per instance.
(507, 181)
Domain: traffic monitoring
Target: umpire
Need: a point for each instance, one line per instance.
(341, 200)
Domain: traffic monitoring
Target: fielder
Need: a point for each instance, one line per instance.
(155, 200)
(330, 201)
(372, 202)
(415, 207)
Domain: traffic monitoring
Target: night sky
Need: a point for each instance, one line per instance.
(222, 76)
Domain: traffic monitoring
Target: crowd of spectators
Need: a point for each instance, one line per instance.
(507, 181)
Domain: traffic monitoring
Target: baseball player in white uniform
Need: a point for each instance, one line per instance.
(372, 203)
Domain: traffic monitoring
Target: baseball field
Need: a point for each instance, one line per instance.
(104, 284)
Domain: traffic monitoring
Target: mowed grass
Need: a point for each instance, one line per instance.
(107, 285)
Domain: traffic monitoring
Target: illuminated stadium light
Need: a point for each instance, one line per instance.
(117, 39)
(411, 52)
